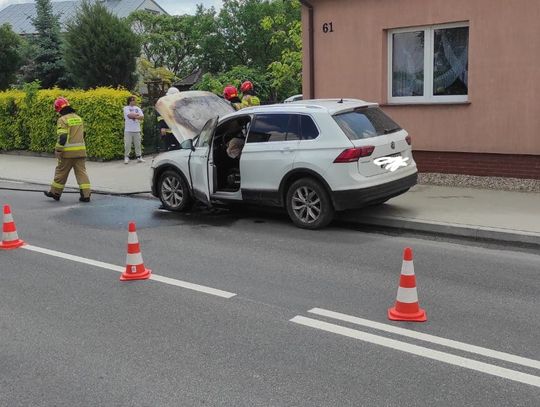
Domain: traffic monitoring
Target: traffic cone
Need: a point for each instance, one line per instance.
(407, 307)
(135, 269)
(10, 239)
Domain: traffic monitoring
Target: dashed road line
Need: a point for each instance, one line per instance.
(108, 266)
(421, 351)
(507, 357)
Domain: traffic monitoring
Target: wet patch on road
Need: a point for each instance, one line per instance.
(115, 212)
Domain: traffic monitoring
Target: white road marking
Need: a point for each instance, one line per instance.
(108, 266)
(191, 286)
(71, 257)
(507, 357)
(421, 351)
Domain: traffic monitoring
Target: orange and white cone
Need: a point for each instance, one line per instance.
(10, 239)
(407, 307)
(135, 269)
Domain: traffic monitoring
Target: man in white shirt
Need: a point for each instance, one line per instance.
(132, 130)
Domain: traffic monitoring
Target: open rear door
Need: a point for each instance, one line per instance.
(198, 162)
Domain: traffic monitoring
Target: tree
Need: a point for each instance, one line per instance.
(235, 76)
(286, 72)
(46, 64)
(10, 57)
(101, 49)
(246, 42)
(178, 43)
(211, 50)
(258, 40)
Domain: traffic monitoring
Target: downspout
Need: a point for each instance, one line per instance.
(311, 48)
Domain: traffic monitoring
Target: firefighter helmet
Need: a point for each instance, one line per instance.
(60, 103)
(230, 92)
(246, 86)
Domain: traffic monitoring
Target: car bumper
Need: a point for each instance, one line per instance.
(357, 198)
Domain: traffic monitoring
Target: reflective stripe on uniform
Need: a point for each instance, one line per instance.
(61, 130)
(57, 185)
(75, 148)
(84, 186)
(74, 121)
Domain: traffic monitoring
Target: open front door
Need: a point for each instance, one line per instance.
(198, 162)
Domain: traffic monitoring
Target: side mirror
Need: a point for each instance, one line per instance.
(188, 144)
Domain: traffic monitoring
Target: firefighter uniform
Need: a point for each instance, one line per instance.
(250, 100)
(71, 152)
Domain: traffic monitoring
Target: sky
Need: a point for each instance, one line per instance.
(171, 6)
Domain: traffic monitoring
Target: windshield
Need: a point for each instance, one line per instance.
(366, 122)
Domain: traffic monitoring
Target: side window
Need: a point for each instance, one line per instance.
(268, 128)
(308, 128)
(293, 132)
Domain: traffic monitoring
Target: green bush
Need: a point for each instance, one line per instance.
(28, 120)
(10, 125)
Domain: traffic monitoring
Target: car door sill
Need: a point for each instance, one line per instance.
(229, 196)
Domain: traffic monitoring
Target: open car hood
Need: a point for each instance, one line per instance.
(187, 112)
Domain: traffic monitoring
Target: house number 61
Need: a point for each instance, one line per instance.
(328, 27)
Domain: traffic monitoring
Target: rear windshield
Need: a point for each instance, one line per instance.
(366, 122)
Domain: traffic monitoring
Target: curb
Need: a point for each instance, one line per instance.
(38, 154)
(449, 229)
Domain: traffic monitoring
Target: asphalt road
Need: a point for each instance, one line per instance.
(72, 334)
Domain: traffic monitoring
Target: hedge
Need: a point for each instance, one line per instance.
(10, 121)
(28, 120)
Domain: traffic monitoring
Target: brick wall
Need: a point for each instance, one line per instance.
(494, 165)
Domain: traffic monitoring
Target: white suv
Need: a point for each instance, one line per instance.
(312, 157)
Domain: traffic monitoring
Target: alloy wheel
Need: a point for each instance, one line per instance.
(172, 191)
(306, 204)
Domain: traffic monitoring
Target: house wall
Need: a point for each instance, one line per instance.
(503, 112)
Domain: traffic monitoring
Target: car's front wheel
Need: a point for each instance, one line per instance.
(309, 205)
(174, 192)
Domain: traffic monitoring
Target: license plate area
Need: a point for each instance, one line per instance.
(390, 155)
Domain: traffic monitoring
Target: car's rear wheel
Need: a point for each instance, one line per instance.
(174, 192)
(309, 205)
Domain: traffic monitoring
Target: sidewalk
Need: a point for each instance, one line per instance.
(465, 212)
(110, 176)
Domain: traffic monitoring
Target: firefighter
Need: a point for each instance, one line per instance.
(169, 141)
(248, 95)
(70, 150)
(230, 93)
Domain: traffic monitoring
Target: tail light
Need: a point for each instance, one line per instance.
(408, 139)
(353, 154)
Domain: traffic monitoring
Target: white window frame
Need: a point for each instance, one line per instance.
(429, 39)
